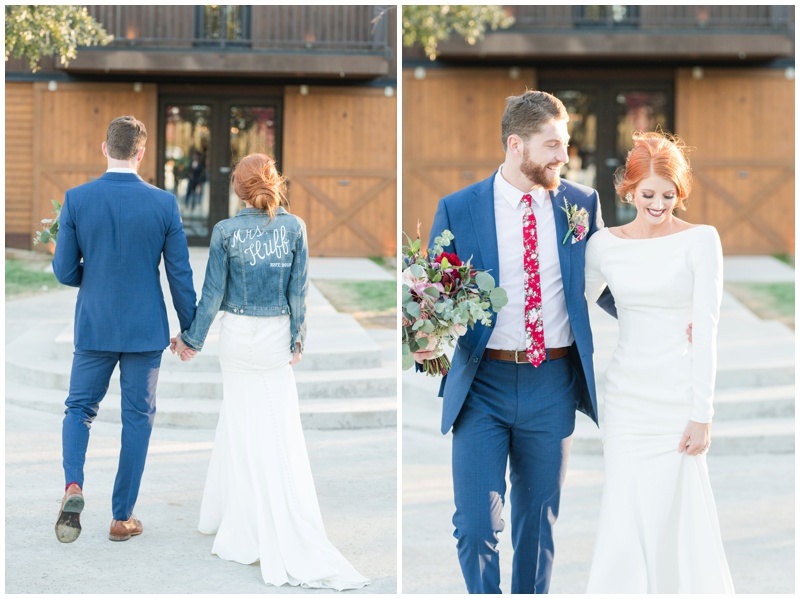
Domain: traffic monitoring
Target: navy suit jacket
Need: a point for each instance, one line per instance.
(469, 215)
(112, 234)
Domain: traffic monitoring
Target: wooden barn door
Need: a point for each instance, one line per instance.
(340, 159)
(743, 162)
(451, 133)
(70, 124)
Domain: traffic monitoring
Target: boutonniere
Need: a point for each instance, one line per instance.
(578, 220)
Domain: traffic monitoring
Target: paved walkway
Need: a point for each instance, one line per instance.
(355, 473)
(754, 492)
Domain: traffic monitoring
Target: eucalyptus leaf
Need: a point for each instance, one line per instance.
(45, 236)
(412, 308)
(408, 361)
(418, 325)
(416, 271)
(406, 350)
(433, 292)
(499, 298)
(422, 342)
(428, 327)
(485, 281)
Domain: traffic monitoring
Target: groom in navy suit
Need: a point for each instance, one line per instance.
(503, 410)
(113, 233)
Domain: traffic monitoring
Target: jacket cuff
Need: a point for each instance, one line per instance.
(195, 345)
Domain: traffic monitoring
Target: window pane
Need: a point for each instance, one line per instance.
(188, 139)
(252, 130)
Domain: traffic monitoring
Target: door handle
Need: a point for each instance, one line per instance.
(224, 170)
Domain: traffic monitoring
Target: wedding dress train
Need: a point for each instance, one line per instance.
(259, 496)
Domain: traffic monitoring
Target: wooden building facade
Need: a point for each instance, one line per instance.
(720, 77)
(315, 87)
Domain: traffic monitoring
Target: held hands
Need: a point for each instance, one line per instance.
(696, 438)
(177, 346)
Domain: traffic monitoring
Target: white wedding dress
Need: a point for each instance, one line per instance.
(659, 530)
(259, 495)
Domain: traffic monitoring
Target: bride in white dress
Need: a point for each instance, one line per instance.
(259, 496)
(659, 530)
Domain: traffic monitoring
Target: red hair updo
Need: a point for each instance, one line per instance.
(659, 154)
(257, 181)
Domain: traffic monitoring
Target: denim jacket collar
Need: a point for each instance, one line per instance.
(246, 211)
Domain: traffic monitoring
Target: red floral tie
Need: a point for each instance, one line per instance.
(534, 328)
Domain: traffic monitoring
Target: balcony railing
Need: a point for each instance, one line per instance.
(324, 29)
(753, 19)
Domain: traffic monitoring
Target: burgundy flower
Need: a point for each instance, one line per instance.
(451, 258)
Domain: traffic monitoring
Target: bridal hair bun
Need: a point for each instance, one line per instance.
(256, 180)
(656, 153)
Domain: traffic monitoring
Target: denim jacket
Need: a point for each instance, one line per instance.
(256, 267)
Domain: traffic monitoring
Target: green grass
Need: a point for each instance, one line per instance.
(773, 301)
(372, 303)
(24, 277)
(785, 258)
(388, 263)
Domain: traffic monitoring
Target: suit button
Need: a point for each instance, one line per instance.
(475, 360)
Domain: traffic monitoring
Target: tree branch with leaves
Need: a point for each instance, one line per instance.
(428, 25)
(33, 32)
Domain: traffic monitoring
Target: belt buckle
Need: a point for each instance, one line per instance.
(516, 356)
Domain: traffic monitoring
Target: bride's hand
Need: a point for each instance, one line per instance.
(696, 438)
(296, 357)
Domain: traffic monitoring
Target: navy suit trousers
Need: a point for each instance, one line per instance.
(91, 373)
(520, 417)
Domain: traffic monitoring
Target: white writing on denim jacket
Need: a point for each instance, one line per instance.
(278, 246)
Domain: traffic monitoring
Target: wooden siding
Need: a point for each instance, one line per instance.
(451, 134)
(340, 158)
(20, 218)
(741, 123)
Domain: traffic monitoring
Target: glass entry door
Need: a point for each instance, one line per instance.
(602, 118)
(201, 139)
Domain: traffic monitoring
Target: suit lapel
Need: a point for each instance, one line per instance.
(481, 210)
(562, 226)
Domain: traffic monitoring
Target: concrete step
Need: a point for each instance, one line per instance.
(320, 414)
(337, 343)
(737, 403)
(372, 382)
(747, 421)
(728, 437)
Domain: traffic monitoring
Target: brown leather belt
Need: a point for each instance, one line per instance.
(519, 357)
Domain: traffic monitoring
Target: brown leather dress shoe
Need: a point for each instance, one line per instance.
(68, 525)
(122, 531)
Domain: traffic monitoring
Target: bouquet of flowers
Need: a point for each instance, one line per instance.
(442, 296)
(49, 230)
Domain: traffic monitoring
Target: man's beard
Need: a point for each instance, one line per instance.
(538, 174)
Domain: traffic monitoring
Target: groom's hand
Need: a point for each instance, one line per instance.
(421, 356)
(179, 347)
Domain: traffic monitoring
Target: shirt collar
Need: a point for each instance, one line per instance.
(513, 196)
(122, 170)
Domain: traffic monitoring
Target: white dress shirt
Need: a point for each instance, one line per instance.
(509, 330)
(122, 170)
